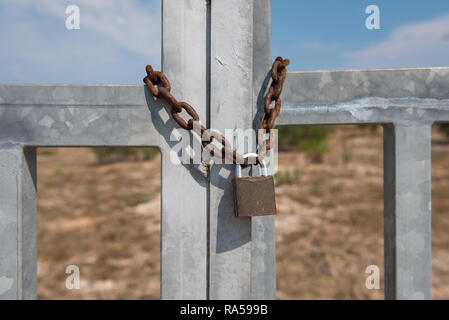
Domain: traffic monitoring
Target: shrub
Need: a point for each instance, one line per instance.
(444, 127)
(286, 177)
(310, 139)
(110, 154)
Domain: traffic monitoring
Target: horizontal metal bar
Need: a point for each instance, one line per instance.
(81, 115)
(365, 96)
(71, 95)
(366, 110)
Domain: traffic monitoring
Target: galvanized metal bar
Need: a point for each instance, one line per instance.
(231, 102)
(184, 225)
(365, 96)
(18, 257)
(407, 211)
(263, 244)
(81, 115)
(365, 111)
(336, 86)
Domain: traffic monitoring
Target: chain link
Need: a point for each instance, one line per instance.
(278, 74)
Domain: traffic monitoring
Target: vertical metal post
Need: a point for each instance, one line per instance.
(231, 102)
(184, 188)
(407, 210)
(18, 258)
(263, 246)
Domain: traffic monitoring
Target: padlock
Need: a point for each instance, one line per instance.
(253, 196)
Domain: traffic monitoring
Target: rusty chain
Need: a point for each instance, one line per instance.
(278, 74)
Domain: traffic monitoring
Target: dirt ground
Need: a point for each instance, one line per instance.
(105, 219)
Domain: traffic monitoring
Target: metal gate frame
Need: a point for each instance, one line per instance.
(209, 50)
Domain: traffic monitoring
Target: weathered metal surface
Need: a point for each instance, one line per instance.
(81, 115)
(407, 216)
(242, 253)
(263, 245)
(254, 196)
(231, 71)
(346, 85)
(18, 256)
(365, 96)
(184, 189)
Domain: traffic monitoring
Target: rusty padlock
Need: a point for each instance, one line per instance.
(253, 196)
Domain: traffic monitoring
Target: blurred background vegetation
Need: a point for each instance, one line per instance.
(113, 154)
(312, 140)
(444, 127)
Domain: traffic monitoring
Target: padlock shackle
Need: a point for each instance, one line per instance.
(238, 167)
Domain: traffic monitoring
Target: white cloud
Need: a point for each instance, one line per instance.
(132, 24)
(413, 45)
(114, 34)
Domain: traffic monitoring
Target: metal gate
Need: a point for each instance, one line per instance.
(209, 49)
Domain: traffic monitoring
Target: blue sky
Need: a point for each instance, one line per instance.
(119, 37)
(331, 34)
